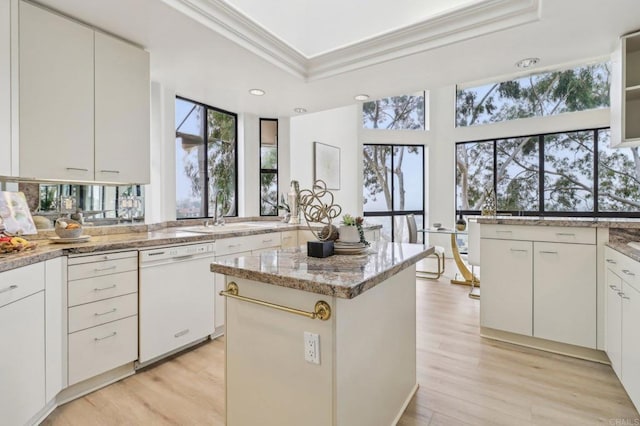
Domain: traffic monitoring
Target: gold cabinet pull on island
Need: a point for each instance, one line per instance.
(322, 309)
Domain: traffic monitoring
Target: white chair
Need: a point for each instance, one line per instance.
(473, 255)
(438, 253)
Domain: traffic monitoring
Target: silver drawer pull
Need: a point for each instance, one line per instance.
(519, 250)
(110, 171)
(613, 287)
(97, 339)
(267, 241)
(233, 245)
(628, 272)
(565, 234)
(181, 333)
(79, 169)
(6, 289)
(504, 232)
(108, 268)
(104, 288)
(548, 252)
(105, 313)
(612, 261)
(625, 297)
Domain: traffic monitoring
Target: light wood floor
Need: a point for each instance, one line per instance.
(464, 380)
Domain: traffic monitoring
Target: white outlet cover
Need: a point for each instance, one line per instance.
(312, 347)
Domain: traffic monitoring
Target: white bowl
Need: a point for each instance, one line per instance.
(437, 225)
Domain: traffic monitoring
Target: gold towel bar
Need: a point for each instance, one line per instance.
(322, 309)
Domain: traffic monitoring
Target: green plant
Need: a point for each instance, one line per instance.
(349, 220)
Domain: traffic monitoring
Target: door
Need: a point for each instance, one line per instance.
(56, 96)
(122, 100)
(564, 289)
(613, 318)
(631, 342)
(507, 297)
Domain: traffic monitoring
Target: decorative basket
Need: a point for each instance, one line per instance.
(68, 233)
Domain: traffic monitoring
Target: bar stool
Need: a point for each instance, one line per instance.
(438, 251)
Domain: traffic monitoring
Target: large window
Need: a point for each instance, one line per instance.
(406, 112)
(268, 167)
(206, 161)
(549, 93)
(559, 174)
(393, 187)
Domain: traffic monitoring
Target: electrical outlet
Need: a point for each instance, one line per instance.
(312, 347)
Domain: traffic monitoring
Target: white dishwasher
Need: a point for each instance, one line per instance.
(177, 292)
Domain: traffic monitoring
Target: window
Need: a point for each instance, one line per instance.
(405, 112)
(550, 93)
(268, 167)
(206, 167)
(559, 174)
(393, 187)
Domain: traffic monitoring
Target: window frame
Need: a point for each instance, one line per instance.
(541, 212)
(393, 213)
(205, 188)
(274, 171)
(424, 114)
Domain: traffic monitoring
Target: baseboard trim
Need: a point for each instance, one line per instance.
(405, 404)
(90, 385)
(588, 354)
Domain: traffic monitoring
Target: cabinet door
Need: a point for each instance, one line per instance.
(55, 295)
(122, 105)
(506, 285)
(5, 88)
(631, 342)
(613, 320)
(22, 371)
(564, 289)
(56, 96)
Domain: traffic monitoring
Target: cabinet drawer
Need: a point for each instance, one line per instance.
(21, 282)
(97, 269)
(102, 348)
(247, 243)
(93, 289)
(101, 312)
(80, 259)
(553, 234)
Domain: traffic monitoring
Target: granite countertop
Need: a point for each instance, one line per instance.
(589, 222)
(136, 237)
(344, 276)
(625, 249)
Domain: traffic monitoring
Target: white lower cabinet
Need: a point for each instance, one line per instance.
(613, 319)
(102, 313)
(631, 342)
(507, 299)
(537, 281)
(564, 286)
(22, 360)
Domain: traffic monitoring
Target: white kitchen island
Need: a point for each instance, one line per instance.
(366, 373)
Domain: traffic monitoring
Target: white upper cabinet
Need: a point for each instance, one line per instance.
(56, 96)
(122, 141)
(84, 102)
(625, 92)
(5, 88)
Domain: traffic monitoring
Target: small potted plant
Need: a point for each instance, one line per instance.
(351, 231)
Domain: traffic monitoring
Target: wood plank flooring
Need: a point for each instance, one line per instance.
(464, 380)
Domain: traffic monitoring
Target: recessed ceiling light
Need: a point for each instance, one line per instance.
(299, 110)
(527, 62)
(257, 92)
(361, 97)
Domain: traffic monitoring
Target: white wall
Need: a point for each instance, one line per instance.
(337, 127)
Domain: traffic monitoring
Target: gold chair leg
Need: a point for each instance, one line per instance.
(433, 275)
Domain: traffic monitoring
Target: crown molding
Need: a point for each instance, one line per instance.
(233, 25)
(480, 18)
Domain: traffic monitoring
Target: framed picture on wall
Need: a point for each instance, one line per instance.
(326, 161)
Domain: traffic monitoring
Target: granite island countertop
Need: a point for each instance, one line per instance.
(344, 276)
(589, 222)
(136, 237)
